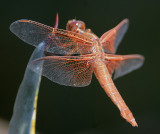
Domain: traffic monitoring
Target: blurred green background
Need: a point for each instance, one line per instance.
(87, 110)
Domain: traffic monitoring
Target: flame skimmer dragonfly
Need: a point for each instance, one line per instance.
(72, 55)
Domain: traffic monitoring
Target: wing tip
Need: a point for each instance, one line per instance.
(126, 20)
(12, 26)
(125, 23)
(140, 57)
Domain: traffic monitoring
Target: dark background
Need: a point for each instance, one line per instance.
(87, 110)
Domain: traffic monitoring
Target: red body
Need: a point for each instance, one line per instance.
(72, 55)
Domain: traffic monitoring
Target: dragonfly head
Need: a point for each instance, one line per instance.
(75, 25)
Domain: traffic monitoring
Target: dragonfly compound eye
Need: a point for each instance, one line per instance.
(75, 25)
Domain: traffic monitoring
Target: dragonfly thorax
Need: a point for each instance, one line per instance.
(75, 26)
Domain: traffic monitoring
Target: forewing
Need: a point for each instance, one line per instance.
(57, 41)
(66, 70)
(111, 39)
(122, 65)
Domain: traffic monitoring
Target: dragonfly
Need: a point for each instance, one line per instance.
(72, 55)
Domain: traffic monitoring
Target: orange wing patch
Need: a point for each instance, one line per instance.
(111, 39)
(123, 64)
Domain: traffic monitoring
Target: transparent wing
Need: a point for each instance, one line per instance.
(111, 39)
(66, 70)
(122, 65)
(57, 41)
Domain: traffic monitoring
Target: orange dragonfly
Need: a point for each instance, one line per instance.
(72, 55)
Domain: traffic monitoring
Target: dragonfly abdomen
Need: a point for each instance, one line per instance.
(104, 78)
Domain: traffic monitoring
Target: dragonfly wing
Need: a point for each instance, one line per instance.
(66, 70)
(57, 41)
(111, 39)
(30, 32)
(122, 65)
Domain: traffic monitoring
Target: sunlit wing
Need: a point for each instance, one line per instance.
(57, 41)
(66, 70)
(123, 64)
(111, 39)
